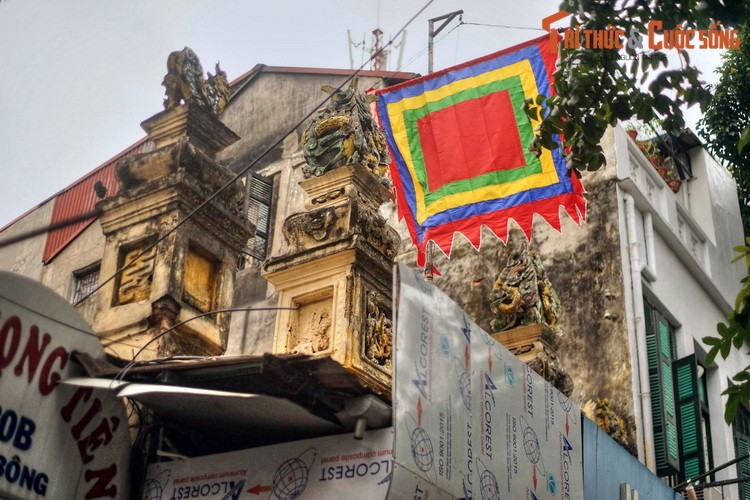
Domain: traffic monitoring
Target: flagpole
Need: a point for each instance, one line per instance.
(431, 34)
(428, 272)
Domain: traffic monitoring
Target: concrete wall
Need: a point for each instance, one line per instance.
(81, 253)
(25, 257)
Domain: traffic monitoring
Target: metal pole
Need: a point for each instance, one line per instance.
(446, 18)
(432, 33)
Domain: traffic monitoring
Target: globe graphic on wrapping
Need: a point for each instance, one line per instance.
(152, 490)
(290, 479)
(488, 486)
(421, 449)
(464, 382)
(565, 403)
(531, 445)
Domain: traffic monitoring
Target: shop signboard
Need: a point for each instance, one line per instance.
(56, 441)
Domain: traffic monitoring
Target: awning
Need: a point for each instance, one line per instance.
(242, 401)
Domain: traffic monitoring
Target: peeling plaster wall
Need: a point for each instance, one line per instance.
(25, 257)
(82, 252)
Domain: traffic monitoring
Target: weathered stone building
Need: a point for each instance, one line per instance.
(647, 261)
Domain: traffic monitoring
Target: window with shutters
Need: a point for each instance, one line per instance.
(682, 440)
(741, 436)
(692, 418)
(661, 352)
(259, 193)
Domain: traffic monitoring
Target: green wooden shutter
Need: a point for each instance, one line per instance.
(692, 457)
(741, 435)
(259, 194)
(742, 446)
(660, 346)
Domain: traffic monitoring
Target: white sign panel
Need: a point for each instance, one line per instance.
(435, 436)
(56, 441)
(469, 416)
(327, 467)
(528, 433)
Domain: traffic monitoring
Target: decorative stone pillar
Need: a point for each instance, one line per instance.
(337, 276)
(190, 271)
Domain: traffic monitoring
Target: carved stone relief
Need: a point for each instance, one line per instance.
(184, 82)
(378, 343)
(135, 281)
(311, 326)
(522, 293)
(309, 229)
(343, 134)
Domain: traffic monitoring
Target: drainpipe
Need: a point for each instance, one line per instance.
(640, 333)
(649, 267)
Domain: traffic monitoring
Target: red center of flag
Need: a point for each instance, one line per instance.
(493, 144)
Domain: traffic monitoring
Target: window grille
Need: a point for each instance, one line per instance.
(84, 282)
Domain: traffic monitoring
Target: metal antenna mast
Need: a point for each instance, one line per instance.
(378, 62)
(447, 18)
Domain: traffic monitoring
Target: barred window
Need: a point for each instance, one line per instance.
(85, 281)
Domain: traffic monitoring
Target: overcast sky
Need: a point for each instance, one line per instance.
(79, 76)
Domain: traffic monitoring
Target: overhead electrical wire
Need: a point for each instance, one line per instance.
(96, 213)
(246, 169)
(121, 374)
(239, 175)
(461, 22)
(55, 320)
(505, 26)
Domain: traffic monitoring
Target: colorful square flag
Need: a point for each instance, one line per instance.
(459, 142)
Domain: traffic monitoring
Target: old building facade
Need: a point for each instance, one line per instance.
(640, 283)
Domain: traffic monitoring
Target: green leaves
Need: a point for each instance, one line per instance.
(596, 88)
(734, 334)
(744, 140)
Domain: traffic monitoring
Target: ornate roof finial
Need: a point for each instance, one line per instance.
(344, 134)
(184, 82)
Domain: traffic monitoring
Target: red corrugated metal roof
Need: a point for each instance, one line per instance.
(80, 198)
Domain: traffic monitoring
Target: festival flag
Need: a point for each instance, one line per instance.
(459, 142)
